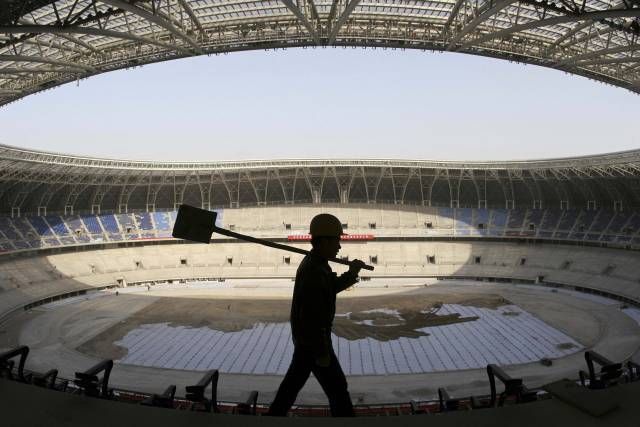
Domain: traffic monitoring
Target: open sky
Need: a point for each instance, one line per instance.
(328, 103)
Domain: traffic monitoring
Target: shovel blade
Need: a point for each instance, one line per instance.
(194, 224)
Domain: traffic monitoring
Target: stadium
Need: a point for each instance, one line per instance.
(525, 271)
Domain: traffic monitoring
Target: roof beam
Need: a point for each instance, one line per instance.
(592, 35)
(160, 20)
(41, 60)
(570, 33)
(452, 16)
(44, 29)
(586, 16)
(191, 15)
(53, 44)
(491, 10)
(80, 43)
(580, 27)
(625, 60)
(66, 37)
(332, 12)
(573, 7)
(594, 54)
(303, 19)
(342, 19)
(39, 70)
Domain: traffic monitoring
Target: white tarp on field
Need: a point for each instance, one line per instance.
(267, 348)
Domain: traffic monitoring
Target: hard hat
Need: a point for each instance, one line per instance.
(325, 225)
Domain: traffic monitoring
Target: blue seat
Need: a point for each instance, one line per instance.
(58, 225)
(109, 223)
(602, 221)
(463, 219)
(39, 224)
(618, 223)
(162, 220)
(91, 224)
(567, 221)
(6, 227)
(516, 219)
(144, 221)
(550, 221)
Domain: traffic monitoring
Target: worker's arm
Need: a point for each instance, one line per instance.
(349, 277)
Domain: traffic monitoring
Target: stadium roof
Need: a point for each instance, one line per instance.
(35, 181)
(623, 163)
(46, 43)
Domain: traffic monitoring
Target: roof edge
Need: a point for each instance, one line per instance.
(49, 157)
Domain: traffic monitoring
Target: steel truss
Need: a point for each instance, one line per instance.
(594, 38)
(32, 181)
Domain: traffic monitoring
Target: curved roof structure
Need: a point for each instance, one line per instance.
(34, 181)
(45, 43)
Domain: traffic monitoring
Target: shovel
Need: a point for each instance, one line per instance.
(198, 225)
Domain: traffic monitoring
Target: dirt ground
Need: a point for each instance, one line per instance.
(382, 318)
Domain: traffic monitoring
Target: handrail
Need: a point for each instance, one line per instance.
(609, 371)
(195, 393)
(512, 387)
(23, 352)
(89, 381)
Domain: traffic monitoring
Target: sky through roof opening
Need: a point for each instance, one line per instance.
(328, 103)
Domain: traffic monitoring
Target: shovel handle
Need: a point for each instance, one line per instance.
(275, 245)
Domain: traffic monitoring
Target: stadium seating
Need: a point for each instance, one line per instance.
(618, 228)
(59, 226)
(109, 223)
(611, 270)
(44, 275)
(40, 225)
(92, 224)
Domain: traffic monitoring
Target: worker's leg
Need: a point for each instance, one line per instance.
(294, 380)
(335, 386)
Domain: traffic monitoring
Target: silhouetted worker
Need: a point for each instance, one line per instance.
(312, 311)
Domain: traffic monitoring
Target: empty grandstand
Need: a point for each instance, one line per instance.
(511, 285)
(527, 265)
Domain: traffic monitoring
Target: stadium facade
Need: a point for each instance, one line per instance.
(45, 43)
(40, 183)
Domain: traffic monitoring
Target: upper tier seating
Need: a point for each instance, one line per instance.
(92, 224)
(144, 221)
(109, 223)
(621, 228)
(40, 225)
(59, 225)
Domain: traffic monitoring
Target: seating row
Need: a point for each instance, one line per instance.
(622, 228)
